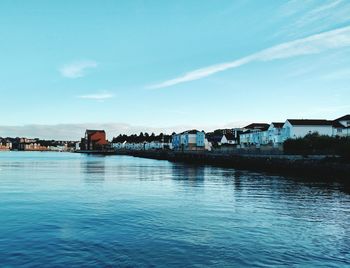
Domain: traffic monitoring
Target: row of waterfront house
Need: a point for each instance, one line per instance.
(253, 135)
(261, 134)
(28, 144)
(278, 132)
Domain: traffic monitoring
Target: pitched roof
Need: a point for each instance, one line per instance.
(336, 124)
(310, 122)
(90, 131)
(193, 131)
(229, 136)
(214, 138)
(261, 126)
(277, 124)
(345, 117)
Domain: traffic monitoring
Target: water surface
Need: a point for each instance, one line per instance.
(63, 209)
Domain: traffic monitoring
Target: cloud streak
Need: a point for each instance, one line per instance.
(315, 16)
(76, 69)
(313, 44)
(97, 96)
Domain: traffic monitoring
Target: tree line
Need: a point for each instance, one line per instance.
(142, 137)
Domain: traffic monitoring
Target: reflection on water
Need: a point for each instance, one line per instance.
(189, 174)
(237, 180)
(93, 169)
(61, 209)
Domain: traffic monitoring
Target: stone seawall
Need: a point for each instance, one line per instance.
(326, 167)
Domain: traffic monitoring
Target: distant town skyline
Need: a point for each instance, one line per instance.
(159, 66)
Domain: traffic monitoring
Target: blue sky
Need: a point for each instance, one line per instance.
(164, 65)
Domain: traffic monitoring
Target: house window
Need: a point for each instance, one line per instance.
(339, 130)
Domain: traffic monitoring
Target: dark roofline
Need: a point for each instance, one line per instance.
(230, 136)
(192, 131)
(94, 130)
(336, 124)
(345, 117)
(310, 122)
(257, 125)
(214, 138)
(277, 124)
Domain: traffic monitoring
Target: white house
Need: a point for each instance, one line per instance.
(228, 135)
(245, 138)
(157, 145)
(254, 134)
(275, 133)
(207, 145)
(58, 148)
(119, 145)
(341, 126)
(299, 128)
(153, 145)
(224, 139)
(133, 146)
(344, 120)
(216, 139)
(189, 140)
(231, 138)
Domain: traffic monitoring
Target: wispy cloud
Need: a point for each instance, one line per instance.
(77, 69)
(327, 6)
(305, 46)
(292, 7)
(314, 16)
(97, 96)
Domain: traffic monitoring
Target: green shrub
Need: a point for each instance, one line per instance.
(318, 144)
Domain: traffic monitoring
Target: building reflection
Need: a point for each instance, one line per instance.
(190, 174)
(238, 180)
(94, 169)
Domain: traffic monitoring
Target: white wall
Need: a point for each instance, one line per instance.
(345, 123)
(301, 131)
(223, 140)
(192, 138)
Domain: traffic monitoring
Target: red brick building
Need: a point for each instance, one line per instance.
(94, 140)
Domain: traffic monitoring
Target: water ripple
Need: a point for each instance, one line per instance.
(60, 210)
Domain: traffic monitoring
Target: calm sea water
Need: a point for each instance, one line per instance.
(66, 210)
